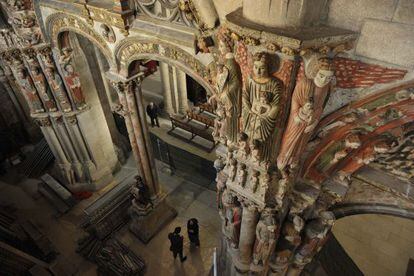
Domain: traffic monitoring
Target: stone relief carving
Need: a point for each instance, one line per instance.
(58, 89)
(232, 220)
(306, 109)
(261, 107)
(265, 237)
(41, 85)
(290, 239)
(108, 33)
(316, 234)
(29, 91)
(72, 79)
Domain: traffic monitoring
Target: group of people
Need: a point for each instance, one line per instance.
(177, 240)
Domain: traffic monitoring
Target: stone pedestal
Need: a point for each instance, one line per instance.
(146, 223)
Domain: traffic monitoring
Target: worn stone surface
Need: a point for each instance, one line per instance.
(224, 7)
(404, 12)
(378, 244)
(386, 41)
(351, 14)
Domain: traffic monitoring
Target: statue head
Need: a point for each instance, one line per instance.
(225, 43)
(327, 218)
(21, 74)
(260, 65)
(69, 68)
(325, 73)
(298, 223)
(352, 141)
(308, 107)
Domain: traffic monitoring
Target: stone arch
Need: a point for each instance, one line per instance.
(60, 23)
(132, 49)
(344, 210)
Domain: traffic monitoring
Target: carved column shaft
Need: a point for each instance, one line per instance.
(182, 91)
(247, 234)
(165, 78)
(139, 134)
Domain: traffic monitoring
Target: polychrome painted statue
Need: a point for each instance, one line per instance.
(73, 81)
(307, 105)
(261, 106)
(265, 238)
(29, 91)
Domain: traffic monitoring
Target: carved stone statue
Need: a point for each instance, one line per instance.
(58, 89)
(141, 194)
(29, 91)
(232, 169)
(306, 110)
(65, 56)
(232, 221)
(254, 181)
(242, 175)
(255, 149)
(316, 234)
(261, 106)
(41, 85)
(243, 146)
(265, 237)
(289, 240)
(220, 129)
(73, 81)
(229, 87)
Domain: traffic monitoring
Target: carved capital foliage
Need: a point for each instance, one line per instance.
(72, 120)
(43, 122)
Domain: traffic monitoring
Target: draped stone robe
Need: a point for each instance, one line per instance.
(230, 97)
(294, 138)
(261, 127)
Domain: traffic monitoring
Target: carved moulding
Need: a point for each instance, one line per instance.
(132, 49)
(60, 22)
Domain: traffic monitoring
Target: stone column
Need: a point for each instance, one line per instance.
(55, 146)
(182, 92)
(146, 220)
(165, 78)
(250, 218)
(174, 88)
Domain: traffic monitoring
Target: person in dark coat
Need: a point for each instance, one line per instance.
(192, 229)
(152, 111)
(177, 244)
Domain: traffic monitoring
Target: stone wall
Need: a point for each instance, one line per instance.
(386, 28)
(380, 245)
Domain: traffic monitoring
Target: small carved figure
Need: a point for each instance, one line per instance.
(220, 126)
(254, 181)
(65, 56)
(281, 190)
(289, 241)
(41, 85)
(32, 37)
(141, 193)
(255, 147)
(243, 146)
(204, 43)
(16, 5)
(265, 237)
(29, 91)
(261, 105)
(219, 164)
(58, 89)
(73, 81)
(232, 171)
(232, 223)
(316, 234)
(242, 175)
(339, 155)
(108, 33)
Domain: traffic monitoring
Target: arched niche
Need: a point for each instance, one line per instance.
(59, 24)
(131, 50)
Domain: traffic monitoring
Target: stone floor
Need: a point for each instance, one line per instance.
(189, 199)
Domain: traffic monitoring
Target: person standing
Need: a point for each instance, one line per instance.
(192, 229)
(177, 244)
(152, 111)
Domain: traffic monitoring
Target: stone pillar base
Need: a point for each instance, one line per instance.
(148, 223)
